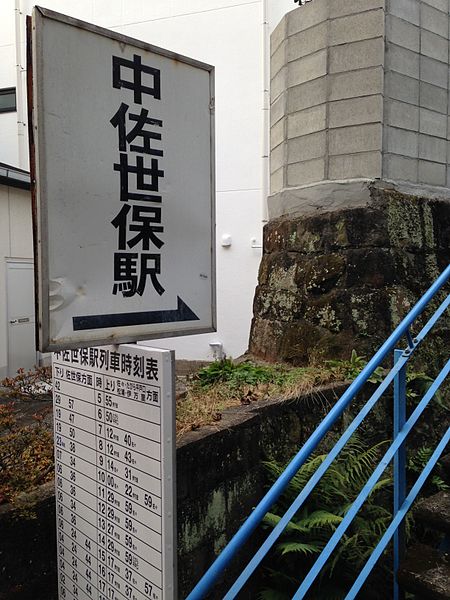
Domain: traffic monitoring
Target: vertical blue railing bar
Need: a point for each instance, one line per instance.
(399, 469)
(359, 582)
(315, 478)
(410, 339)
(255, 518)
(366, 490)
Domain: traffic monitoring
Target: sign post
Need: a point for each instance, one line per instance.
(122, 159)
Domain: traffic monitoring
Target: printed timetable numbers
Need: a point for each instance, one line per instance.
(109, 490)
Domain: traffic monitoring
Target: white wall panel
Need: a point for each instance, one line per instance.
(7, 32)
(8, 139)
(277, 9)
(4, 251)
(7, 66)
(107, 13)
(16, 242)
(20, 224)
(192, 6)
(80, 9)
(237, 268)
(157, 9)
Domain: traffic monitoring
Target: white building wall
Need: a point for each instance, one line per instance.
(8, 121)
(15, 242)
(231, 35)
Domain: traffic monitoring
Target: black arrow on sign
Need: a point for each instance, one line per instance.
(181, 313)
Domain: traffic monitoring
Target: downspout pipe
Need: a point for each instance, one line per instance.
(20, 70)
(266, 111)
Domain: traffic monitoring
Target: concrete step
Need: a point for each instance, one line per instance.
(435, 511)
(426, 573)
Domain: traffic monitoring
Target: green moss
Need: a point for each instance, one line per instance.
(283, 278)
(292, 238)
(428, 226)
(219, 543)
(341, 233)
(361, 313)
(431, 267)
(328, 319)
(400, 303)
(196, 528)
(285, 305)
(306, 241)
(410, 222)
(208, 521)
(320, 273)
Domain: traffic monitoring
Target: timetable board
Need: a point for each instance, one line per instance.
(114, 461)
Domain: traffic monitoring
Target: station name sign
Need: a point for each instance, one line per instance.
(124, 187)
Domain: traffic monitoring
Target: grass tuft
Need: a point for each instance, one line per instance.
(226, 384)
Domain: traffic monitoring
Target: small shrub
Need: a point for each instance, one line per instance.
(26, 454)
(29, 385)
(347, 370)
(246, 373)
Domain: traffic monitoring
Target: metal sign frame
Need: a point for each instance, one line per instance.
(89, 331)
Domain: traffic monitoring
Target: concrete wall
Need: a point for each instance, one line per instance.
(15, 242)
(359, 89)
(416, 91)
(359, 160)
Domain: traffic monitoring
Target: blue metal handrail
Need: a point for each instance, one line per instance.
(396, 451)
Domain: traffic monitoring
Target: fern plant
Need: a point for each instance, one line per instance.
(309, 531)
(351, 368)
(416, 463)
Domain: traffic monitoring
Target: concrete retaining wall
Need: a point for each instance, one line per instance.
(220, 478)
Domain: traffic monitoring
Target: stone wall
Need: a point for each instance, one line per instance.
(343, 279)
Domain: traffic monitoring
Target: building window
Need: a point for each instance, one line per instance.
(7, 100)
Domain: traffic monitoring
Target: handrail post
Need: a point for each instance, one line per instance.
(399, 470)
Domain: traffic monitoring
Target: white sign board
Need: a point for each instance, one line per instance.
(114, 462)
(124, 152)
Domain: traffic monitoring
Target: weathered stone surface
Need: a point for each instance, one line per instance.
(426, 572)
(340, 280)
(435, 511)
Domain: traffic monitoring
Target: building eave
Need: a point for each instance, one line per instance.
(14, 177)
